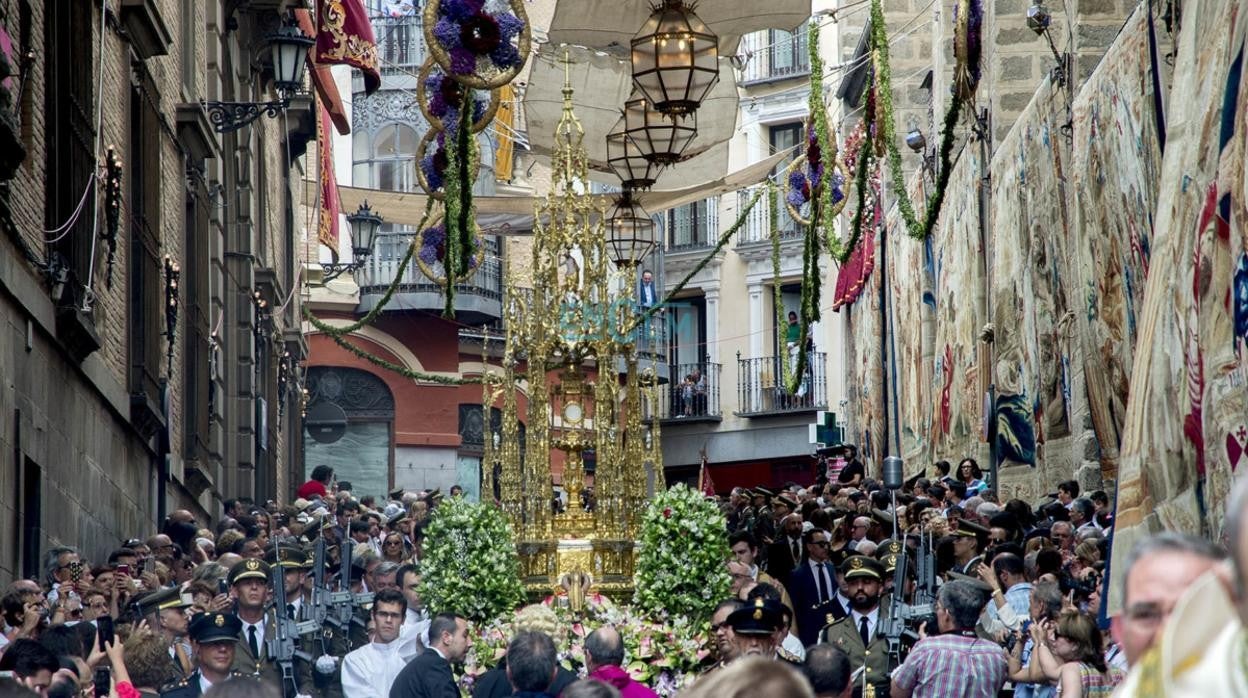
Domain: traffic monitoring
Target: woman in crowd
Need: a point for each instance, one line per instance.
(394, 548)
(970, 475)
(1073, 654)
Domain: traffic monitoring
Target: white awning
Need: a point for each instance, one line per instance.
(611, 24)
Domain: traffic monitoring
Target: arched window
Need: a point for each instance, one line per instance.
(349, 427)
(394, 158)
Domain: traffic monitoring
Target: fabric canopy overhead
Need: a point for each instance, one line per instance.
(611, 24)
(600, 85)
(502, 215)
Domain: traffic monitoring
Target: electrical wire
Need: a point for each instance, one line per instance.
(88, 295)
(67, 227)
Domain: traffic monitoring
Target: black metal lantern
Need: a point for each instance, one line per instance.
(627, 161)
(364, 226)
(1039, 18)
(675, 58)
(290, 52)
(630, 232)
(662, 138)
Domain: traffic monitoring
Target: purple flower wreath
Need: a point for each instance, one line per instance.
(434, 164)
(804, 181)
(468, 32)
(433, 247)
(446, 95)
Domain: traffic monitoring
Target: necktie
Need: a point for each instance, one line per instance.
(797, 552)
(251, 640)
(864, 631)
(290, 611)
(819, 581)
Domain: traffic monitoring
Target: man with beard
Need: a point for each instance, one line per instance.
(784, 555)
(754, 627)
(858, 634)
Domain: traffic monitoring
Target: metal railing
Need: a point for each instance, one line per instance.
(761, 389)
(775, 55)
(692, 393)
(693, 226)
(400, 43)
(379, 272)
(757, 226)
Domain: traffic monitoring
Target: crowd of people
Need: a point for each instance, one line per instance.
(844, 588)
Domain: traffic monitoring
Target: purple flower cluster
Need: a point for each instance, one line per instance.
(444, 97)
(468, 33)
(433, 247)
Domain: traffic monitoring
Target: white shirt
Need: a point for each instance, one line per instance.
(827, 581)
(259, 633)
(369, 671)
(204, 684)
(414, 635)
(873, 618)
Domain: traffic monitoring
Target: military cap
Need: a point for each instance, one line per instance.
(248, 569)
(757, 617)
(435, 495)
(889, 561)
(286, 556)
(787, 501)
(862, 566)
(884, 517)
(396, 493)
(968, 529)
(761, 491)
(889, 546)
(215, 627)
(396, 519)
(163, 599)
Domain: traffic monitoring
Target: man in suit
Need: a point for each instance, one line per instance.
(213, 640)
(646, 294)
(785, 554)
(429, 674)
(813, 588)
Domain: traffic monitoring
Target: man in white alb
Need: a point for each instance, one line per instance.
(369, 671)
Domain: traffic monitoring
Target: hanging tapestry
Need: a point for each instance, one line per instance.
(1189, 382)
(1115, 176)
(866, 365)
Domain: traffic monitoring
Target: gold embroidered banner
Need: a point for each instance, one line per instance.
(346, 36)
(331, 205)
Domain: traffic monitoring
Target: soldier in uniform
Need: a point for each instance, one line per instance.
(166, 613)
(969, 540)
(764, 519)
(755, 630)
(213, 640)
(858, 634)
(886, 554)
(249, 586)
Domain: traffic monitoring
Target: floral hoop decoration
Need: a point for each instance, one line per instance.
(440, 99)
(478, 47)
(852, 149)
(430, 246)
(431, 170)
(804, 181)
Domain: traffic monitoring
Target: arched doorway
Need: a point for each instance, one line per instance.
(362, 450)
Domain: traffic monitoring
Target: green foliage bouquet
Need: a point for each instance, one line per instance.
(470, 566)
(680, 564)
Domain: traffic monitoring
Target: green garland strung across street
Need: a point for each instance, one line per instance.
(723, 240)
(884, 83)
(460, 219)
(333, 333)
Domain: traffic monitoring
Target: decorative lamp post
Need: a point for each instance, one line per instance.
(364, 227)
(630, 232)
(634, 169)
(289, 46)
(675, 58)
(661, 138)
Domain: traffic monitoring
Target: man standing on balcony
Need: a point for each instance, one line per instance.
(646, 296)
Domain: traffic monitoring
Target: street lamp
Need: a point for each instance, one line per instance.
(634, 169)
(675, 58)
(661, 138)
(364, 227)
(289, 48)
(630, 232)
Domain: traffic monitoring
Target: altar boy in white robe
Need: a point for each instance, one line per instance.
(369, 671)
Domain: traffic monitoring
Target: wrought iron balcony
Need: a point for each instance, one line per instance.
(693, 226)
(478, 300)
(761, 391)
(692, 395)
(757, 228)
(775, 55)
(400, 43)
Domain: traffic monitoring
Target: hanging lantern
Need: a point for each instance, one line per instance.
(290, 51)
(630, 232)
(627, 161)
(675, 58)
(662, 138)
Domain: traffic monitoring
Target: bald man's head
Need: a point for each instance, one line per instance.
(604, 647)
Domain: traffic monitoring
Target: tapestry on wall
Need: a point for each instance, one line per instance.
(1115, 177)
(956, 393)
(1030, 292)
(1178, 459)
(865, 367)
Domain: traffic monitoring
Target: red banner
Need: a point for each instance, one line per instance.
(331, 205)
(345, 35)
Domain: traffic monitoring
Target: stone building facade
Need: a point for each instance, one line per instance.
(110, 420)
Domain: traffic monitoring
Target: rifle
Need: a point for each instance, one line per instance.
(321, 603)
(280, 643)
(902, 614)
(342, 602)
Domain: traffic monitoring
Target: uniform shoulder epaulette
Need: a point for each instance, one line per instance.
(833, 620)
(180, 683)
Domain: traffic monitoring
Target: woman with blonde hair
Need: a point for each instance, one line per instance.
(752, 677)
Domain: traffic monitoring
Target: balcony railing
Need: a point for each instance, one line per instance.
(400, 43)
(693, 226)
(757, 226)
(486, 283)
(761, 390)
(692, 393)
(775, 55)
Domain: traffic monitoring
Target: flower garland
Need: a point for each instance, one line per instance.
(420, 376)
(460, 213)
(884, 94)
(680, 564)
(439, 97)
(469, 564)
(475, 46)
(431, 243)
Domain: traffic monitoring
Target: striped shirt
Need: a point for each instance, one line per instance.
(952, 666)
